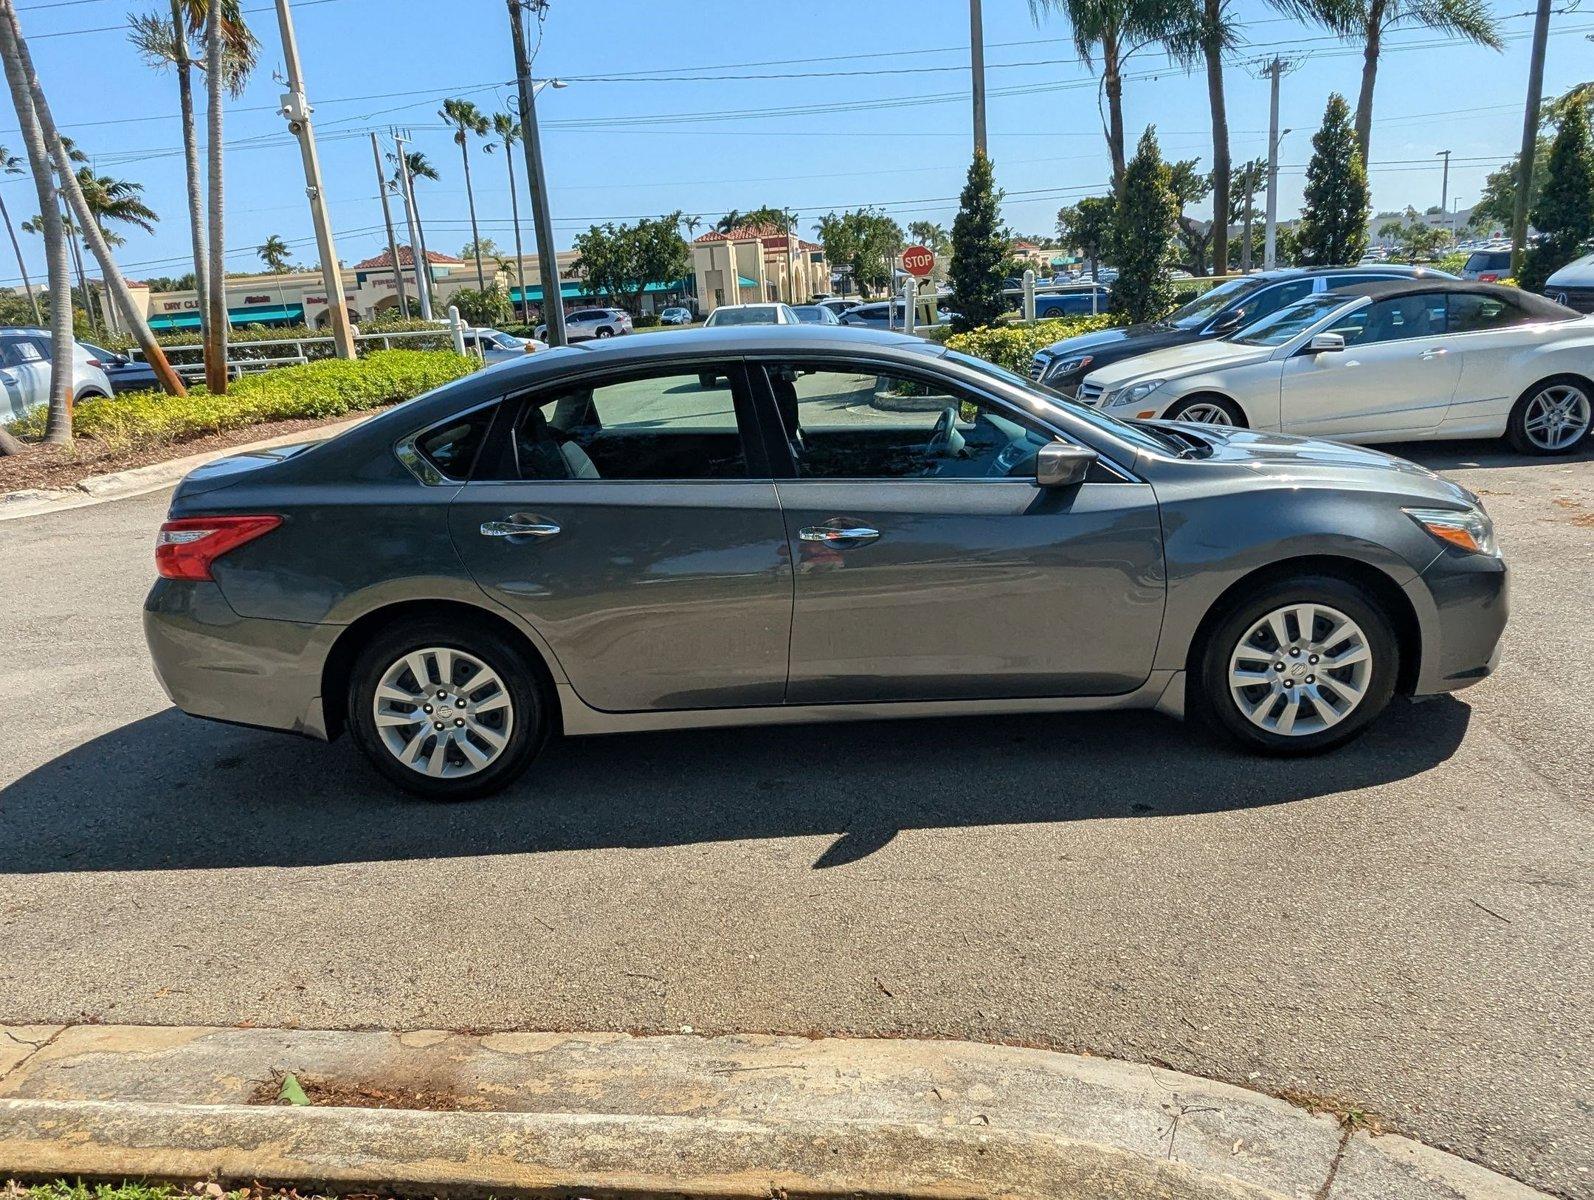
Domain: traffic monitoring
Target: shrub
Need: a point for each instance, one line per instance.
(645, 321)
(1012, 346)
(313, 391)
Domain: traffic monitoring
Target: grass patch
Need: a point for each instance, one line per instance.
(313, 391)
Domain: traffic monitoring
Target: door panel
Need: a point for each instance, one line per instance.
(973, 588)
(653, 592)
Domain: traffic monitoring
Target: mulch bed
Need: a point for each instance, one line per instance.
(50, 467)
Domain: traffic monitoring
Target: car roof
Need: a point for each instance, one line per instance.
(1385, 289)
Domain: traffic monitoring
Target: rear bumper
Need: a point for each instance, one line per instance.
(1462, 603)
(245, 670)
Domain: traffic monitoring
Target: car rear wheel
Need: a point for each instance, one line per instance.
(1552, 417)
(1298, 667)
(604, 332)
(446, 711)
(1207, 410)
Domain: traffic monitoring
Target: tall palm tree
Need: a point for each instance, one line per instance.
(466, 119)
(274, 253)
(507, 130)
(691, 222)
(1367, 21)
(1201, 31)
(10, 164)
(1111, 30)
(728, 221)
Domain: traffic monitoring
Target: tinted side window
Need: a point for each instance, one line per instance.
(674, 426)
(854, 424)
(1471, 313)
(1394, 319)
(1271, 299)
(452, 447)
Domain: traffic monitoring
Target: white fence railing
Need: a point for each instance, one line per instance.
(455, 329)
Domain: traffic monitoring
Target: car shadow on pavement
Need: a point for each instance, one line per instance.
(1479, 455)
(169, 792)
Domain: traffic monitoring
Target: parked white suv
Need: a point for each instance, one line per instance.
(584, 323)
(25, 372)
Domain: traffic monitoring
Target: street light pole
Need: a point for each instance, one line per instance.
(297, 109)
(1530, 137)
(977, 71)
(553, 306)
(387, 220)
(1444, 186)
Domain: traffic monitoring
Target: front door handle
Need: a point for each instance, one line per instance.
(513, 528)
(1434, 353)
(835, 533)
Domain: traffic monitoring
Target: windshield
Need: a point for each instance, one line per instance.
(1207, 305)
(1140, 435)
(755, 315)
(1279, 327)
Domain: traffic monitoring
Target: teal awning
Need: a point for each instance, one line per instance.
(746, 282)
(276, 314)
(574, 291)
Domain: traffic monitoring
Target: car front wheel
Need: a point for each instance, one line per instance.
(1207, 410)
(1301, 666)
(446, 711)
(1553, 417)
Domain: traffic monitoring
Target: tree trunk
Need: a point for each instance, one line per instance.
(77, 265)
(22, 267)
(470, 201)
(115, 282)
(1364, 101)
(215, 301)
(1114, 83)
(520, 258)
(196, 202)
(1220, 141)
(58, 426)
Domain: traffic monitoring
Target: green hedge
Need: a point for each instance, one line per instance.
(313, 391)
(1012, 346)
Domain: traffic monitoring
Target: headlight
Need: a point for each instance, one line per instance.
(1069, 366)
(1469, 530)
(1133, 393)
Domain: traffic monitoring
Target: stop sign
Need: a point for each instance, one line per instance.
(918, 261)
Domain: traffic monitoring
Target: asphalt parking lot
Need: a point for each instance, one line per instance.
(1404, 927)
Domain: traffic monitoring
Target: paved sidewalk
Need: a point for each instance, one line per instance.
(727, 1116)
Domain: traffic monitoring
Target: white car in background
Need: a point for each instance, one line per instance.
(584, 323)
(751, 314)
(1395, 361)
(25, 372)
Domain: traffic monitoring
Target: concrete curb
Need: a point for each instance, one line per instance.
(137, 481)
(682, 1115)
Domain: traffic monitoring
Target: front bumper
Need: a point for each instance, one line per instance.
(1462, 603)
(216, 664)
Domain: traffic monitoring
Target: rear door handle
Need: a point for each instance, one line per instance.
(1434, 353)
(514, 528)
(834, 533)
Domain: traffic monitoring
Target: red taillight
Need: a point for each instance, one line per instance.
(186, 548)
(1487, 277)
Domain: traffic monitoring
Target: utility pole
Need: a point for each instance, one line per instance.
(387, 220)
(977, 72)
(297, 109)
(1270, 237)
(423, 268)
(1444, 187)
(553, 304)
(1530, 136)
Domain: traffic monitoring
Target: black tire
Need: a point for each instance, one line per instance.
(1516, 432)
(529, 706)
(1217, 707)
(1235, 412)
(604, 332)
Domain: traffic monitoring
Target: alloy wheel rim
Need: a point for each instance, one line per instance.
(1206, 414)
(1558, 417)
(1300, 669)
(443, 713)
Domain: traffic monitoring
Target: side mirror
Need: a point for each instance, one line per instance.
(1062, 464)
(1325, 342)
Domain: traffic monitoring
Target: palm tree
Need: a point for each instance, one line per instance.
(274, 253)
(691, 223)
(1112, 30)
(10, 164)
(1202, 32)
(728, 222)
(467, 119)
(419, 167)
(507, 130)
(1367, 21)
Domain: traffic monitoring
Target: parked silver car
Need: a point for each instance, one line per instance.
(584, 323)
(25, 357)
(863, 525)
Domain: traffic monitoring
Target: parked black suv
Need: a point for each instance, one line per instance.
(1225, 309)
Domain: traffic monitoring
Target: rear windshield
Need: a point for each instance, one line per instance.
(1489, 260)
(743, 316)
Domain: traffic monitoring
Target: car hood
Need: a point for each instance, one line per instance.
(1131, 337)
(1174, 361)
(1280, 458)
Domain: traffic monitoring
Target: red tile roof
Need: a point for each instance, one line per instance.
(406, 259)
(745, 233)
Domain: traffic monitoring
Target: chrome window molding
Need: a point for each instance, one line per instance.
(408, 452)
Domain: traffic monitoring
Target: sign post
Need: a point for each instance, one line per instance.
(919, 261)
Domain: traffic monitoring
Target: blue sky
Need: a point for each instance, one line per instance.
(619, 148)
